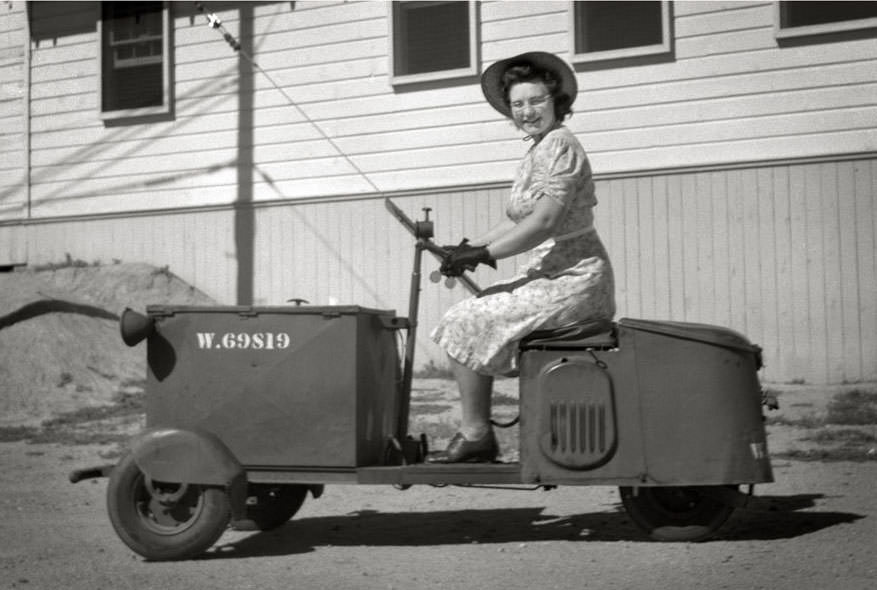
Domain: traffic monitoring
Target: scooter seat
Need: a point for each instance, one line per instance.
(589, 334)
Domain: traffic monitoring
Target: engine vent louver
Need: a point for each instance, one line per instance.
(577, 427)
(577, 415)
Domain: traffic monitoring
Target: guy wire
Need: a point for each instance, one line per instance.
(215, 23)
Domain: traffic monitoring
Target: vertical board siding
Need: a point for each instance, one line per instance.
(199, 248)
(866, 209)
(785, 255)
(13, 245)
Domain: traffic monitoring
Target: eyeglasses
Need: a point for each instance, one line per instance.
(537, 103)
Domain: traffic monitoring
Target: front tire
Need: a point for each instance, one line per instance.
(675, 513)
(164, 521)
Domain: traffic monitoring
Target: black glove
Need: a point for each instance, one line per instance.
(449, 251)
(465, 257)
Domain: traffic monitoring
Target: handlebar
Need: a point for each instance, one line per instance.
(423, 232)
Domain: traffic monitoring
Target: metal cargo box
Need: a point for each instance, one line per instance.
(283, 386)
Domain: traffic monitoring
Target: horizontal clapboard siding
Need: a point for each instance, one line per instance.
(730, 94)
(13, 141)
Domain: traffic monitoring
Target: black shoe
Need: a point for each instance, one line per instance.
(460, 450)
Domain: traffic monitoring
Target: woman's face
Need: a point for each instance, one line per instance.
(532, 108)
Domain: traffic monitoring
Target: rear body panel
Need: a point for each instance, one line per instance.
(673, 404)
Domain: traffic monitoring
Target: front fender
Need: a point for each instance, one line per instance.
(191, 457)
(185, 456)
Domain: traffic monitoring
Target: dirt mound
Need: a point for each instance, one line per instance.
(60, 348)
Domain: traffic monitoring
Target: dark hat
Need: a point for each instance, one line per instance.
(491, 79)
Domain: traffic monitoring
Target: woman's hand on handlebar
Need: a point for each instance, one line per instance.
(464, 257)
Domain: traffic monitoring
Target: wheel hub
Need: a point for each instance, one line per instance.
(167, 508)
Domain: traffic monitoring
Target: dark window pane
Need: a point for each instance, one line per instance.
(132, 60)
(606, 26)
(134, 88)
(802, 14)
(431, 36)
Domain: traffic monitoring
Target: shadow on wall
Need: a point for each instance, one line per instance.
(53, 20)
(244, 217)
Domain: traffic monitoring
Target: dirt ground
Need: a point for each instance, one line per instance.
(815, 527)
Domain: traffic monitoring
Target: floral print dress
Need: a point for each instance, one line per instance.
(567, 279)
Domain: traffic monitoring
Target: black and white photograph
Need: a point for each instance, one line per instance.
(382, 295)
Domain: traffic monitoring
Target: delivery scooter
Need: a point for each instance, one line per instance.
(250, 409)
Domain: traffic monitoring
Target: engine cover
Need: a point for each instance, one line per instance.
(577, 424)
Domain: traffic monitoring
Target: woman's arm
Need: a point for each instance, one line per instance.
(530, 232)
(493, 233)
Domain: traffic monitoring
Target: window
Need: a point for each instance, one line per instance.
(615, 30)
(135, 59)
(432, 41)
(799, 19)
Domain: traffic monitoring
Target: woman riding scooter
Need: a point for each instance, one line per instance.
(567, 278)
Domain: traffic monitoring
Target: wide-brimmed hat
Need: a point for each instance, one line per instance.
(491, 79)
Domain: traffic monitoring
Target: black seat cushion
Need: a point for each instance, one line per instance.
(588, 334)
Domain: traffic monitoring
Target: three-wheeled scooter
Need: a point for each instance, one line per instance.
(249, 409)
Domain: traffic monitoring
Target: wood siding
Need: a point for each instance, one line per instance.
(13, 138)
(784, 254)
(729, 94)
(736, 177)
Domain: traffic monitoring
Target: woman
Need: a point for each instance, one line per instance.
(568, 277)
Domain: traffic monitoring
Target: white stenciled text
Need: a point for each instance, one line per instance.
(243, 340)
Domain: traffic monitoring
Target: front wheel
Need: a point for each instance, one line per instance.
(675, 513)
(164, 521)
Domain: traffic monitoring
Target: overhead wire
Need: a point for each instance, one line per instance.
(216, 23)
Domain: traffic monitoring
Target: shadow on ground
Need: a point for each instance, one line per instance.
(772, 517)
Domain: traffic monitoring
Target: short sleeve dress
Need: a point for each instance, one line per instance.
(567, 279)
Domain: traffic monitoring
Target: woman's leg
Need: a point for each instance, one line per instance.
(475, 393)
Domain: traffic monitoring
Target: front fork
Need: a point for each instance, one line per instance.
(410, 343)
(423, 231)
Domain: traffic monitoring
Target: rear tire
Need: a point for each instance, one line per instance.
(270, 506)
(675, 513)
(164, 521)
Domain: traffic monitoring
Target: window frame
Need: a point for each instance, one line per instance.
(781, 33)
(665, 47)
(166, 108)
(470, 70)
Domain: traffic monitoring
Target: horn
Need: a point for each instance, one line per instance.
(134, 326)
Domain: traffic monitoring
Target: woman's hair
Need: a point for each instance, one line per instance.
(529, 73)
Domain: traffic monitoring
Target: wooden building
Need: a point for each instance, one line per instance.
(734, 146)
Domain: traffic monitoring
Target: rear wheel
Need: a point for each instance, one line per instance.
(164, 521)
(675, 513)
(270, 505)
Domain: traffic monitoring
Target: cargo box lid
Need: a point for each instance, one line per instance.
(716, 335)
(259, 309)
